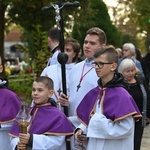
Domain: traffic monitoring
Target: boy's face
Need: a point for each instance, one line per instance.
(40, 93)
(104, 70)
(70, 52)
(91, 44)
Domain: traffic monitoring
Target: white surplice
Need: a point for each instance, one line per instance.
(53, 60)
(54, 72)
(44, 142)
(4, 137)
(88, 82)
(107, 135)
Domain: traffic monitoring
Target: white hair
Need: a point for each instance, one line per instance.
(118, 49)
(129, 46)
(125, 64)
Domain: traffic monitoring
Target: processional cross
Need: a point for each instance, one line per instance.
(62, 57)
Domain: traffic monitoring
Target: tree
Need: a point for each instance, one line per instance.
(3, 6)
(143, 17)
(23, 13)
(35, 24)
(96, 15)
(131, 18)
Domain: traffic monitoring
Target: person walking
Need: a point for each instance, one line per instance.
(107, 112)
(82, 76)
(48, 127)
(10, 105)
(53, 45)
(140, 92)
(128, 51)
(72, 49)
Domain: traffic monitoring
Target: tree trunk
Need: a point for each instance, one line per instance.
(2, 27)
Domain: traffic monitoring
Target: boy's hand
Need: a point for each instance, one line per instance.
(63, 100)
(24, 138)
(21, 146)
(80, 137)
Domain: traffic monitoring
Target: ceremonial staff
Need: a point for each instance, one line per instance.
(62, 57)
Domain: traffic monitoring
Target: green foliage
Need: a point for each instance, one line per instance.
(40, 52)
(96, 15)
(29, 13)
(143, 9)
(22, 86)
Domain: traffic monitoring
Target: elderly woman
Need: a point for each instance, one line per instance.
(128, 51)
(140, 93)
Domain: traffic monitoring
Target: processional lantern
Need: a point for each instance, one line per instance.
(23, 119)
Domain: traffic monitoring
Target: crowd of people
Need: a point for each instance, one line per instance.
(108, 99)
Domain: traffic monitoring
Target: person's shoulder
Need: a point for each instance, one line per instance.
(120, 59)
(49, 68)
(8, 92)
(58, 113)
(122, 90)
(52, 67)
(78, 65)
(137, 61)
(140, 78)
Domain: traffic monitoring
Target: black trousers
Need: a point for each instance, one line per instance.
(138, 133)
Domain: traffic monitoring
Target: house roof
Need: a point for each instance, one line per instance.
(13, 36)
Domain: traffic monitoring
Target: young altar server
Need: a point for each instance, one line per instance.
(49, 127)
(9, 106)
(72, 49)
(107, 111)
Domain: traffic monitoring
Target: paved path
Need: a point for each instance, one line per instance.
(146, 139)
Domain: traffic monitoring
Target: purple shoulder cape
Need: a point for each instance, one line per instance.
(10, 105)
(46, 119)
(116, 104)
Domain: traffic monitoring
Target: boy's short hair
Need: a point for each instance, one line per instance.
(100, 33)
(48, 82)
(76, 47)
(111, 53)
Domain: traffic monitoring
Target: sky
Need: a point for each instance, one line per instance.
(111, 2)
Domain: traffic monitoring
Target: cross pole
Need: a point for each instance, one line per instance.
(62, 57)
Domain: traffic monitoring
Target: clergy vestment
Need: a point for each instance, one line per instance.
(9, 107)
(86, 71)
(82, 73)
(107, 115)
(49, 127)
(53, 60)
(54, 72)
